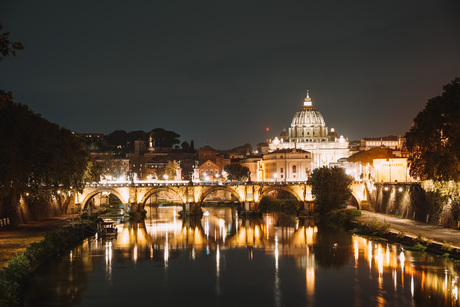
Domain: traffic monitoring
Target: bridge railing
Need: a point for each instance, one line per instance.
(190, 183)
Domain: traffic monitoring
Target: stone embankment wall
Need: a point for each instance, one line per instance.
(32, 209)
(410, 200)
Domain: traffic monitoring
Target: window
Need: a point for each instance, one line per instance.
(281, 172)
(294, 169)
(209, 163)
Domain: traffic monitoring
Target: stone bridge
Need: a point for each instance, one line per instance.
(194, 193)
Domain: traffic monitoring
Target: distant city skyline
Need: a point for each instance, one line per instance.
(220, 73)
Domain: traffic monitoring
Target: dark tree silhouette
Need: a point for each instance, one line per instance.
(434, 138)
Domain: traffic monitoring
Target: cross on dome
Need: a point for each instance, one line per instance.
(307, 102)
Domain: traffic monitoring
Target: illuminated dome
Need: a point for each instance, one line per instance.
(308, 132)
(308, 116)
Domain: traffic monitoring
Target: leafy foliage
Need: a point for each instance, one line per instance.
(36, 156)
(434, 138)
(8, 47)
(164, 138)
(331, 188)
(236, 172)
(267, 204)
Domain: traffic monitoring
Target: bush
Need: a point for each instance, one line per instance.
(268, 204)
(344, 217)
(374, 228)
(417, 247)
(14, 278)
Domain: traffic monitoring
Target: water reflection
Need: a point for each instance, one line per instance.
(279, 260)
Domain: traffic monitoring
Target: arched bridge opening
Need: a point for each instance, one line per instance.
(219, 195)
(279, 198)
(108, 199)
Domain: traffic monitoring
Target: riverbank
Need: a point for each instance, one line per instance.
(416, 235)
(415, 229)
(16, 239)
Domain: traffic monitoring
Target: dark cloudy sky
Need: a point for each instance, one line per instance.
(220, 72)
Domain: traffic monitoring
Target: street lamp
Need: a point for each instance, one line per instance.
(275, 176)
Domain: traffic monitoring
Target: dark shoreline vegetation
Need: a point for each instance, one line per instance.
(15, 277)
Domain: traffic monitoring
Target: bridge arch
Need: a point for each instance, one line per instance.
(166, 189)
(288, 189)
(207, 191)
(90, 195)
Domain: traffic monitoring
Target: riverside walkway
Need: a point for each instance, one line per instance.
(414, 228)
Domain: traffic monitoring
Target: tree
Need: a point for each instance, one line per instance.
(434, 138)
(8, 47)
(236, 172)
(164, 138)
(331, 188)
(37, 157)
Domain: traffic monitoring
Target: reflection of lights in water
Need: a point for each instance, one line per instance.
(206, 213)
(402, 259)
(388, 254)
(217, 260)
(108, 260)
(268, 223)
(356, 251)
(208, 251)
(277, 290)
(454, 290)
(206, 228)
(412, 285)
(135, 253)
(276, 249)
(193, 253)
(310, 273)
(222, 229)
(395, 261)
(166, 252)
(380, 260)
(395, 280)
(369, 251)
(151, 252)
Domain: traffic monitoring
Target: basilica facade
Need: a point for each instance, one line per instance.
(308, 132)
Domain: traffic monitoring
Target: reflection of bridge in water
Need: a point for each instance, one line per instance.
(216, 231)
(164, 237)
(192, 194)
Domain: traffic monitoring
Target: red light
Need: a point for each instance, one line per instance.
(268, 129)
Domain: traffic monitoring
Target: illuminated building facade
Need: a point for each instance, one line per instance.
(391, 170)
(308, 132)
(390, 141)
(285, 165)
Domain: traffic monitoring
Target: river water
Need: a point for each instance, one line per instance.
(222, 260)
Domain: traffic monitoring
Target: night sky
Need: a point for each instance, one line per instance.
(220, 72)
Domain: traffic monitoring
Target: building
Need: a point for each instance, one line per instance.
(308, 132)
(209, 171)
(206, 153)
(391, 170)
(390, 141)
(280, 165)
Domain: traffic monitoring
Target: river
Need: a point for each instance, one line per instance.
(222, 260)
